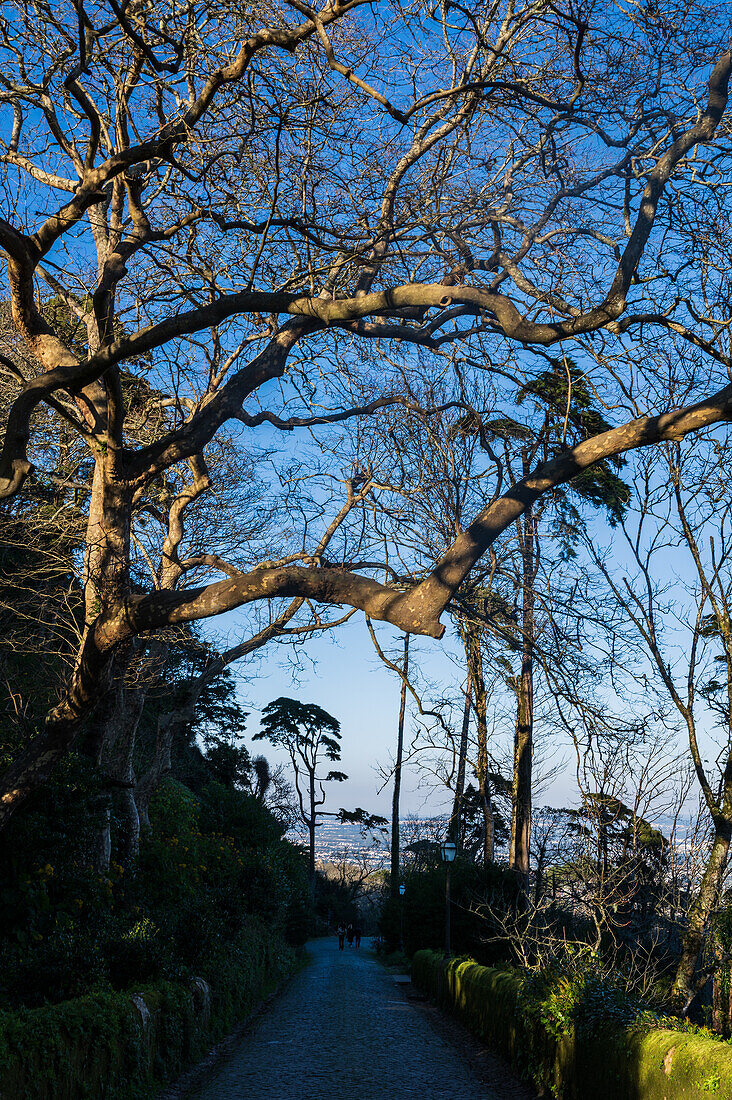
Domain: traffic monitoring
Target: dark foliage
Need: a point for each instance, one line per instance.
(210, 865)
(420, 912)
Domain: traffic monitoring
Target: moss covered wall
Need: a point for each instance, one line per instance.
(617, 1065)
(125, 1046)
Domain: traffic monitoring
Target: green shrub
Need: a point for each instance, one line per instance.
(100, 1045)
(420, 913)
(95, 1041)
(137, 955)
(576, 1036)
(211, 864)
(64, 964)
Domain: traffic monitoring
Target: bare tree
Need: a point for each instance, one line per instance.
(283, 624)
(433, 471)
(684, 631)
(221, 229)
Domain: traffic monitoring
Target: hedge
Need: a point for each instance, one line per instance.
(125, 1046)
(609, 1064)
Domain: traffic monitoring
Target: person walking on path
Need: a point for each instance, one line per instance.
(350, 934)
(357, 935)
(341, 935)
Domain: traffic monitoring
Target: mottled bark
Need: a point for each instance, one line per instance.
(721, 990)
(522, 772)
(159, 767)
(102, 845)
(117, 766)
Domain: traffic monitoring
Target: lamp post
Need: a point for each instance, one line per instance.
(402, 891)
(448, 851)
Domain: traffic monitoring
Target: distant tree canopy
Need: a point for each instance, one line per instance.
(309, 736)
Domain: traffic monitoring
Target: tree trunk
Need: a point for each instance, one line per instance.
(101, 848)
(484, 782)
(311, 832)
(460, 778)
(106, 584)
(128, 819)
(489, 823)
(524, 737)
(147, 784)
(719, 1016)
(522, 772)
(116, 763)
(395, 818)
(539, 874)
(474, 655)
(701, 911)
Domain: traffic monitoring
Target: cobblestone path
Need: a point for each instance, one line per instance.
(342, 1030)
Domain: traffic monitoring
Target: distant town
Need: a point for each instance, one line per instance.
(336, 841)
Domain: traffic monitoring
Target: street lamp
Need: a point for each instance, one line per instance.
(402, 892)
(448, 851)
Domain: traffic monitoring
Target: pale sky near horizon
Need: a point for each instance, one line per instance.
(341, 672)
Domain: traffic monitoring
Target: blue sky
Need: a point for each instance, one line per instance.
(341, 672)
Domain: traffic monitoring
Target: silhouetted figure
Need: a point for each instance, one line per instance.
(357, 935)
(341, 936)
(350, 933)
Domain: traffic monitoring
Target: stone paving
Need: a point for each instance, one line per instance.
(342, 1030)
